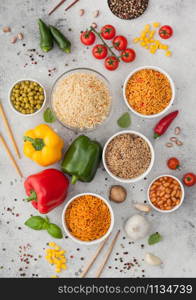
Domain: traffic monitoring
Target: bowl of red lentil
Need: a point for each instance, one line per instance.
(149, 91)
(88, 218)
(166, 193)
(128, 156)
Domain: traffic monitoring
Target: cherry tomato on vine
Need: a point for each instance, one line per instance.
(108, 32)
(173, 163)
(111, 63)
(189, 179)
(100, 51)
(165, 32)
(87, 37)
(128, 55)
(120, 43)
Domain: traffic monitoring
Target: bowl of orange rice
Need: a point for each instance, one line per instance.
(88, 218)
(149, 91)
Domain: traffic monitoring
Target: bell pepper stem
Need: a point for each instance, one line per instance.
(74, 179)
(33, 196)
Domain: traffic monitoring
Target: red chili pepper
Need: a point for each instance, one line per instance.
(46, 189)
(164, 123)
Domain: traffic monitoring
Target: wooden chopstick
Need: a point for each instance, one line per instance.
(70, 5)
(91, 262)
(11, 156)
(9, 130)
(57, 6)
(100, 270)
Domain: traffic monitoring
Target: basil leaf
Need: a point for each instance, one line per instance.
(154, 238)
(36, 223)
(55, 231)
(124, 121)
(49, 116)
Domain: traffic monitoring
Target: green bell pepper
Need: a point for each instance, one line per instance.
(82, 159)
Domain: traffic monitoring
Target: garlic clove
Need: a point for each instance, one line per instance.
(81, 12)
(152, 259)
(142, 207)
(94, 25)
(13, 39)
(20, 36)
(96, 13)
(6, 29)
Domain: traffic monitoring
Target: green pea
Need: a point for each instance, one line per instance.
(41, 97)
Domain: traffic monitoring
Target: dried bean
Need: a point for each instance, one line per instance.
(173, 139)
(179, 143)
(177, 130)
(169, 145)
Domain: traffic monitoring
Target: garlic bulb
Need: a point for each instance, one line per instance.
(152, 260)
(137, 227)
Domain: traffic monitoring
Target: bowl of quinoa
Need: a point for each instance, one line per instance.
(88, 218)
(81, 99)
(149, 91)
(128, 156)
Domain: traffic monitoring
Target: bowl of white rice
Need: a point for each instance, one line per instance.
(81, 99)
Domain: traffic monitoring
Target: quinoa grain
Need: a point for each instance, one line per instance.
(128, 156)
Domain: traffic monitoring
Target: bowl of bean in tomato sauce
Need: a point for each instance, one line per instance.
(166, 193)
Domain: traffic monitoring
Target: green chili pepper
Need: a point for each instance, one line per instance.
(46, 41)
(82, 159)
(63, 43)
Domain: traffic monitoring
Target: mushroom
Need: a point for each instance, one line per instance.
(117, 194)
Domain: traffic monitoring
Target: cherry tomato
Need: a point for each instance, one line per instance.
(165, 32)
(87, 37)
(120, 43)
(173, 163)
(108, 32)
(189, 179)
(111, 63)
(128, 55)
(100, 51)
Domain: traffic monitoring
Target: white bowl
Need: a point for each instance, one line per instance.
(177, 206)
(10, 102)
(172, 87)
(85, 242)
(132, 180)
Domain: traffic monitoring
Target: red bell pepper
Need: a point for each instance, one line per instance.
(46, 189)
(164, 123)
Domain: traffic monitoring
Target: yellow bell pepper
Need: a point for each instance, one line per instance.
(43, 145)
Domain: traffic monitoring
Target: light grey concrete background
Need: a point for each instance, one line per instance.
(178, 248)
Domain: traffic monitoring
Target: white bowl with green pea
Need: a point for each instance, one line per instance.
(27, 97)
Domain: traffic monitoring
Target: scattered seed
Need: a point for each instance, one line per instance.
(20, 36)
(94, 25)
(6, 29)
(81, 12)
(173, 139)
(95, 13)
(169, 145)
(13, 39)
(179, 143)
(177, 130)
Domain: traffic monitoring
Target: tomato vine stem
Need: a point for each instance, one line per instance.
(105, 44)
